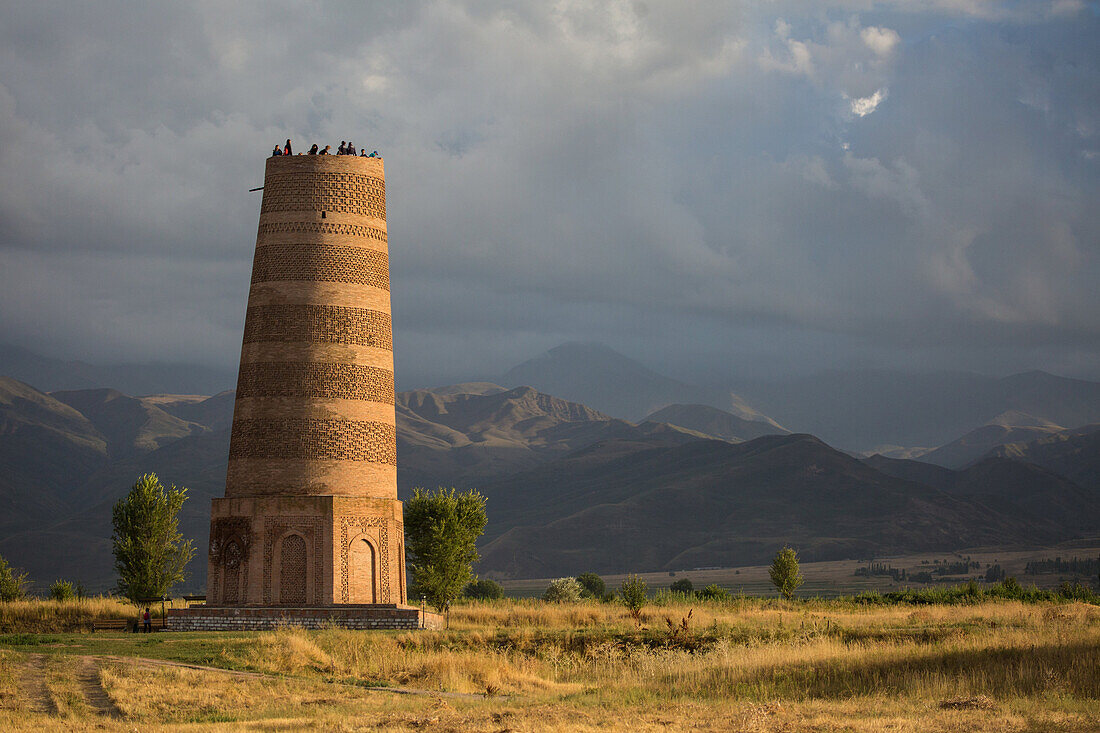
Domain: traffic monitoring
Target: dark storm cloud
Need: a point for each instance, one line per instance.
(892, 183)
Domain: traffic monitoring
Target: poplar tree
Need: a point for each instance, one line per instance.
(785, 574)
(150, 553)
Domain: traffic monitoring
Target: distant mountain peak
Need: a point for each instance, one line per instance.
(596, 375)
(1020, 419)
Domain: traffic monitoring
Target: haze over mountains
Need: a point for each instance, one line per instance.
(574, 487)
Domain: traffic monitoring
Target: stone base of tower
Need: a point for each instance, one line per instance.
(379, 617)
(306, 552)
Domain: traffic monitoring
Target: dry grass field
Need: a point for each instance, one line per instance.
(746, 664)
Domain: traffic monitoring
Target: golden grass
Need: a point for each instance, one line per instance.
(39, 616)
(1001, 666)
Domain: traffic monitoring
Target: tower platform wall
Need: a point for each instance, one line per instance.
(208, 618)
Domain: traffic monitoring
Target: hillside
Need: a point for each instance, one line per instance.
(77, 544)
(46, 447)
(1021, 490)
(130, 424)
(1011, 426)
(447, 437)
(712, 421)
(1074, 454)
(713, 503)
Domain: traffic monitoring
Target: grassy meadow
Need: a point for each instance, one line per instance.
(743, 664)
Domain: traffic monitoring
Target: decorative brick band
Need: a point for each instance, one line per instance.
(322, 227)
(315, 379)
(314, 439)
(321, 263)
(347, 193)
(318, 324)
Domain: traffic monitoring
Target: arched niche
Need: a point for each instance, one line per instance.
(362, 570)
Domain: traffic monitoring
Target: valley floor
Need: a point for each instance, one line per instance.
(837, 577)
(524, 665)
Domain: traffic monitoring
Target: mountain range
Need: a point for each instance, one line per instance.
(574, 487)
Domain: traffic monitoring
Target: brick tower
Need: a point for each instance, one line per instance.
(310, 517)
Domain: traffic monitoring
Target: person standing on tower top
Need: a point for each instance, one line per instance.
(287, 150)
(343, 149)
(313, 150)
(351, 148)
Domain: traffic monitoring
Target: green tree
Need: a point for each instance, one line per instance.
(441, 531)
(13, 585)
(483, 590)
(683, 585)
(634, 593)
(562, 590)
(592, 585)
(784, 573)
(150, 552)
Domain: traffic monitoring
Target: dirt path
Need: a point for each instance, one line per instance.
(92, 688)
(32, 686)
(146, 662)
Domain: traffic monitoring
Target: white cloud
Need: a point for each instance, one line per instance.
(882, 41)
(866, 105)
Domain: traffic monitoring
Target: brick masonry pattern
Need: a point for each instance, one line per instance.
(346, 524)
(257, 619)
(314, 439)
(223, 532)
(315, 380)
(275, 529)
(318, 324)
(347, 193)
(322, 227)
(321, 263)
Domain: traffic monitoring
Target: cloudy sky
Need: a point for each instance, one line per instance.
(715, 188)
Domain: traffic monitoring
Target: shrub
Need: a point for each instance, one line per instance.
(483, 590)
(1076, 592)
(562, 590)
(592, 585)
(62, 590)
(713, 592)
(13, 585)
(683, 585)
(633, 591)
